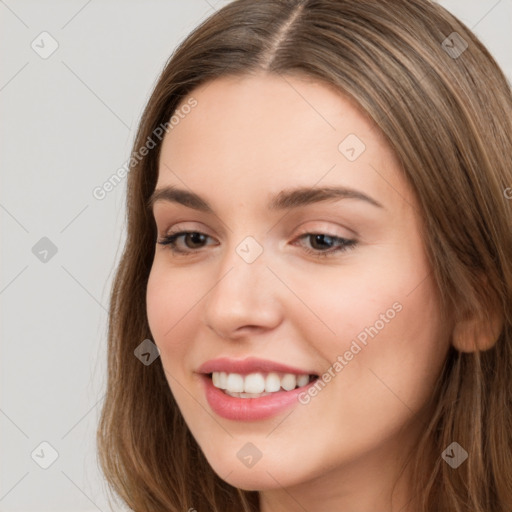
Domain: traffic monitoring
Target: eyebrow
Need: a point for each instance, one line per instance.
(285, 200)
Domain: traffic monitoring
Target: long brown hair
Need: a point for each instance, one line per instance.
(446, 110)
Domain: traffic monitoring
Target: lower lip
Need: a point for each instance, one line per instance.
(250, 409)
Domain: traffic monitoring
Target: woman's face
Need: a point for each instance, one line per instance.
(328, 284)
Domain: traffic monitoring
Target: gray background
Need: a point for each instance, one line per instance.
(68, 122)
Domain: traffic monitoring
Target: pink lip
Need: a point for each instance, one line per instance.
(250, 409)
(248, 365)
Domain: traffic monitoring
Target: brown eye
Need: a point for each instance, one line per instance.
(322, 241)
(193, 240)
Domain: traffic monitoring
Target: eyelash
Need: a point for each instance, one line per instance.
(169, 242)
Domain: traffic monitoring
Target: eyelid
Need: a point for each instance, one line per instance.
(323, 229)
(184, 226)
(326, 227)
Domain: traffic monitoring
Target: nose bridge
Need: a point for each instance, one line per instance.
(244, 292)
(243, 273)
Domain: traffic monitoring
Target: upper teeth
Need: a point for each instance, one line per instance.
(258, 382)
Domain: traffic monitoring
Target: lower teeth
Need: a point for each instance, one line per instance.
(246, 395)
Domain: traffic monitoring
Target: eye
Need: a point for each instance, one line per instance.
(322, 244)
(321, 239)
(194, 237)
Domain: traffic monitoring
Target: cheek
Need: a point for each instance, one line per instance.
(157, 304)
(170, 310)
(404, 345)
(392, 346)
(172, 321)
(384, 322)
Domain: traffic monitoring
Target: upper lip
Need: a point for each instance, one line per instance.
(249, 365)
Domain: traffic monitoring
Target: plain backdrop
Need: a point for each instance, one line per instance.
(68, 120)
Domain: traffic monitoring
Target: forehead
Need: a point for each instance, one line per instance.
(266, 132)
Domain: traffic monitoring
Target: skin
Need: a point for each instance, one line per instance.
(249, 138)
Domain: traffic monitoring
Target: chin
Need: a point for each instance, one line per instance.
(250, 480)
(263, 475)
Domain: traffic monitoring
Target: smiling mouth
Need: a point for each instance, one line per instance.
(258, 384)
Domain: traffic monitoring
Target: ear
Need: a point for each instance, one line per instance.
(479, 331)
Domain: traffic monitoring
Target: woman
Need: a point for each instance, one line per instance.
(319, 244)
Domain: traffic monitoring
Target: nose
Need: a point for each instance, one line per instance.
(244, 298)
